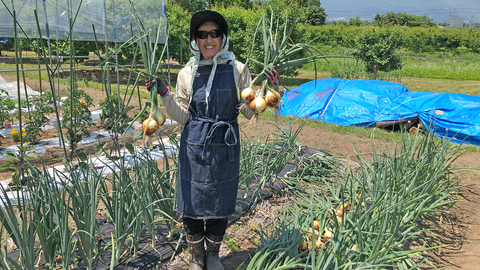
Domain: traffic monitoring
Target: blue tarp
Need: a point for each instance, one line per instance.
(366, 102)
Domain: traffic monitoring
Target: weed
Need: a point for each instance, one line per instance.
(232, 243)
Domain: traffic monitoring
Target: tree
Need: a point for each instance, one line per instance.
(188, 5)
(357, 21)
(316, 15)
(376, 49)
(309, 11)
(197, 5)
(402, 18)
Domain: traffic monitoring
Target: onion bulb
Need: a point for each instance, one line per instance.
(248, 94)
(309, 245)
(339, 220)
(318, 244)
(341, 209)
(160, 117)
(310, 231)
(303, 245)
(327, 235)
(272, 99)
(316, 225)
(258, 105)
(153, 122)
(150, 125)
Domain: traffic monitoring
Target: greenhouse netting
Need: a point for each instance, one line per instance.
(108, 20)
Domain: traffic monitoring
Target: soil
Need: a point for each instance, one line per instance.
(461, 229)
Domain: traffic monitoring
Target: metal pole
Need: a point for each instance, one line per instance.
(166, 42)
(107, 88)
(116, 55)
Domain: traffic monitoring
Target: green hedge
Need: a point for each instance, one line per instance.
(416, 39)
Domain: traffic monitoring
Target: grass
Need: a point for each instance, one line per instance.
(469, 87)
(442, 69)
(461, 54)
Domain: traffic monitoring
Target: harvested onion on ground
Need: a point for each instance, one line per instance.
(316, 225)
(327, 235)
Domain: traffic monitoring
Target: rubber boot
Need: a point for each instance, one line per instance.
(213, 248)
(196, 246)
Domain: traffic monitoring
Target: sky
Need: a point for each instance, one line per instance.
(438, 10)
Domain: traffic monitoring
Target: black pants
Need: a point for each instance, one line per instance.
(215, 227)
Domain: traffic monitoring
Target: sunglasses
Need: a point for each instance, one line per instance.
(204, 34)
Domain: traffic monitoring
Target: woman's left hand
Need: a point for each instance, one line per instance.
(271, 74)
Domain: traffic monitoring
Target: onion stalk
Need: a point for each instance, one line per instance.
(148, 50)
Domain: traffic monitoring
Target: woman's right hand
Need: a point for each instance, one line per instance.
(162, 90)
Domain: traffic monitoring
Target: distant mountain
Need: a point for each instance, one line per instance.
(438, 10)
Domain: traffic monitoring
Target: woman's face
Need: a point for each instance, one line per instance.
(209, 47)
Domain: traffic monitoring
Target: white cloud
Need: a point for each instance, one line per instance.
(338, 19)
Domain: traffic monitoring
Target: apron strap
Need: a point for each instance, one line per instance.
(230, 133)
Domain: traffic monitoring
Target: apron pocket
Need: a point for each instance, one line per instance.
(199, 168)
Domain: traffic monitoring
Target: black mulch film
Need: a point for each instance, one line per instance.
(148, 256)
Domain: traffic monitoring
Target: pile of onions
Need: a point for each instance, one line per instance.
(314, 232)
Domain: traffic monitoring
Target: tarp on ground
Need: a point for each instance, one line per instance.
(366, 102)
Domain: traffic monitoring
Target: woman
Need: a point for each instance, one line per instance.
(206, 104)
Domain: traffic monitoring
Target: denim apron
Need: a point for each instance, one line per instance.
(209, 155)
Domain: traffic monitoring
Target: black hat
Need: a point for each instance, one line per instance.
(204, 16)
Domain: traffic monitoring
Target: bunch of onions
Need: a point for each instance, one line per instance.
(259, 101)
(156, 117)
(148, 50)
(278, 53)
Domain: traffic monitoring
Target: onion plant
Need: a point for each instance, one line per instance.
(163, 182)
(84, 191)
(46, 224)
(117, 195)
(261, 161)
(17, 219)
(56, 201)
(147, 42)
(370, 217)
